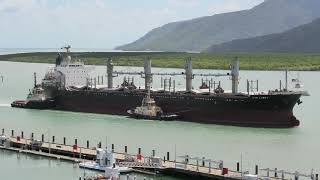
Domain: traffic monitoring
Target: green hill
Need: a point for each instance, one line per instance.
(304, 38)
(271, 16)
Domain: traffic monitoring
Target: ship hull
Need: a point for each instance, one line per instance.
(270, 111)
(47, 104)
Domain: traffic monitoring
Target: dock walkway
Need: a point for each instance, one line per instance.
(75, 154)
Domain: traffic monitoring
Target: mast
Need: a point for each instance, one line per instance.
(110, 73)
(147, 72)
(286, 78)
(148, 93)
(35, 79)
(189, 75)
(235, 75)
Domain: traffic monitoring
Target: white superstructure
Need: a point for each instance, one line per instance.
(148, 108)
(73, 72)
(37, 94)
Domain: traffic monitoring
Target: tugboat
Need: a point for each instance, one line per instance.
(149, 110)
(37, 98)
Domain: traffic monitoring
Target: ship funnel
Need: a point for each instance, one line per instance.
(189, 75)
(59, 60)
(110, 73)
(235, 66)
(147, 72)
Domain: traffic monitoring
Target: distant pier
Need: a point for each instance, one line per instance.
(203, 169)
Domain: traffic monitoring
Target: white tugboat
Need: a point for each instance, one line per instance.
(149, 110)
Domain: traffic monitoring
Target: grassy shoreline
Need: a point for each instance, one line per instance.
(248, 61)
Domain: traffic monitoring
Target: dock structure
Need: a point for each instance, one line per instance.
(202, 169)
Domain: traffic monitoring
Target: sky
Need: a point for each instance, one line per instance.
(97, 23)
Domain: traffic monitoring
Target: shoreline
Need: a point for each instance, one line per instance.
(248, 61)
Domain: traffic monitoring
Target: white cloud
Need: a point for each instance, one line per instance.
(90, 23)
(16, 5)
(217, 7)
(184, 3)
(84, 24)
(164, 11)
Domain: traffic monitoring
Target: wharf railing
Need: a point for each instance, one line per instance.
(183, 164)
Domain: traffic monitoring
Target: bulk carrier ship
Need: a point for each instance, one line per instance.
(69, 87)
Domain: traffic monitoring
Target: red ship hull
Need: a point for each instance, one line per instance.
(270, 110)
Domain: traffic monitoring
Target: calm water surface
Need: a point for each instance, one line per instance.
(289, 149)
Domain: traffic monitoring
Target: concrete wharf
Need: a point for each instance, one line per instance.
(203, 169)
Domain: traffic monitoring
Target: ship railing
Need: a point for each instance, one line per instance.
(259, 93)
(212, 163)
(212, 74)
(171, 74)
(296, 174)
(139, 164)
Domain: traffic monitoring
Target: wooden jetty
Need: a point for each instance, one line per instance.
(203, 169)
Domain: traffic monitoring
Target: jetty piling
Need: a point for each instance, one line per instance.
(282, 174)
(238, 166)
(203, 161)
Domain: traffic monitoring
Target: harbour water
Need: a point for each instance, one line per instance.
(289, 149)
